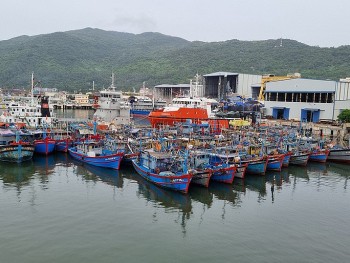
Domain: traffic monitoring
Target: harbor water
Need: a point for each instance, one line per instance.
(54, 209)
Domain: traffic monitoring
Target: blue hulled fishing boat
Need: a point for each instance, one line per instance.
(275, 162)
(93, 153)
(257, 167)
(319, 155)
(224, 173)
(164, 169)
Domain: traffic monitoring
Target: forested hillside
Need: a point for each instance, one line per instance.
(72, 60)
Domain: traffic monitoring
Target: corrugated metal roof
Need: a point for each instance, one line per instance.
(221, 73)
(301, 85)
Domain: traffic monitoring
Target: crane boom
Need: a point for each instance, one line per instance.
(269, 78)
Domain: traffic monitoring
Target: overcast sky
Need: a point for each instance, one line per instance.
(314, 22)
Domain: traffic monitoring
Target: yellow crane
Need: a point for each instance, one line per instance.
(269, 78)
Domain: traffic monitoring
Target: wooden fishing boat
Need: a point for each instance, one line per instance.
(319, 155)
(164, 169)
(275, 162)
(93, 153)
(44, 146)
(13, 149)
(16, 152)
(224, 173)
(240, 170)
(300, 159)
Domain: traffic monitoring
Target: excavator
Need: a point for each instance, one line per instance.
(269, 78)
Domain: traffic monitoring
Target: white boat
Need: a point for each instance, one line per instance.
(28, 111)
(112, 106)
(143, 105)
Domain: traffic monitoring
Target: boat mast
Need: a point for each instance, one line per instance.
(112, 86)
(32, 88)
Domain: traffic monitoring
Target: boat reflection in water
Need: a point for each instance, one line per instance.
(44, 164)
(256, 184)
(317, 167)
(17, 175)
(160, 197)
(109, 176)
(201, 195)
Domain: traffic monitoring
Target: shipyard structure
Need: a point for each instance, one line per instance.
(287, 97)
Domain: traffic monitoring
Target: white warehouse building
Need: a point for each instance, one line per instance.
(306, 99)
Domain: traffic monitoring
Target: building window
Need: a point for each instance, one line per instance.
(281, 97)
(303, 97)
(317, 97)
(310, 97)
(273, 96)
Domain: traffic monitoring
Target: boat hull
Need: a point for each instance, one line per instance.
(201, 177)
(196, 115)
(224, 175)
(63, 145)
(319, 156)
(178, 183)
(286, 160)
(16, 153)
(108, 161)
(45, 146)
(339, 155)
(240, 170)
(275, 163)
(299, 159)
(257, 167)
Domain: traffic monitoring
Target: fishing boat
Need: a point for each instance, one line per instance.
(62, 145)
(224, 173)
(319, 155)
(275, 162)
(12, 149)
(300, 159)
(256, 166)
(45, 144)
(240, 170)
(340, 155)
(92, 152)
(164, 169)
(200, 168)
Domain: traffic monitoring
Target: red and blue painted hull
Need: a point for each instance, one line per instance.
(45, 146)
(224, 175)
(275, 163)
(177, 182)
(319, 156)
(107, 161)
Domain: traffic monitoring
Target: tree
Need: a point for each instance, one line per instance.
(344, 116)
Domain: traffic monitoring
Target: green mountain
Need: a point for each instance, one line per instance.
(72, 60)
